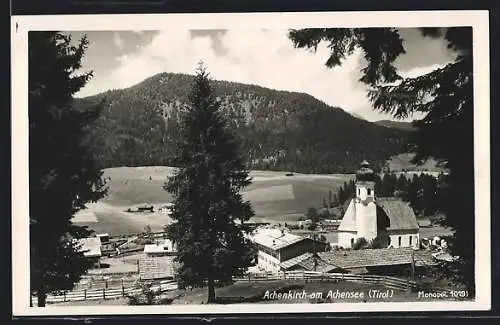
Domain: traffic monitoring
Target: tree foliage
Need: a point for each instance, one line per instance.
(445, 96)
(209, 212)
(360, 243)
(63, 175)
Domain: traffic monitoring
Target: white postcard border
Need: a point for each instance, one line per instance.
(20, 25)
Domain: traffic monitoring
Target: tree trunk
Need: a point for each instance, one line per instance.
(42, 297)
(211, 290)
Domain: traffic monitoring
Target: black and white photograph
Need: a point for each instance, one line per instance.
(215, 163)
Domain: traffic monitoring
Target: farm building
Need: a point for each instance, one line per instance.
(368, 216)
(157, 261)
(104, 238)
(91, 249)
(279, 250)
(375, 261)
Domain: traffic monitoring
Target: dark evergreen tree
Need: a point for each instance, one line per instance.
(209, 212)
(63, 175)
(323, 203)
(444, 95)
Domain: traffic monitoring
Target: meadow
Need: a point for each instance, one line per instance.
(275, 197)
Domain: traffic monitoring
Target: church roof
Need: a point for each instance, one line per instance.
(400, 214)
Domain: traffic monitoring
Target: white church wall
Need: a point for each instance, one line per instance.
(366, 219)
(403, 240)
(345, 239)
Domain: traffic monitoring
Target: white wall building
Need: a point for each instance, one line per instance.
(368, 216)
(280, 251)
(157, 262)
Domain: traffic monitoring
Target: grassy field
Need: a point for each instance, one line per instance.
(272, 194)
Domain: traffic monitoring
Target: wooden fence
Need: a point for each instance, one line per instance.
(311, 276)
(104, 293)
(307, 276)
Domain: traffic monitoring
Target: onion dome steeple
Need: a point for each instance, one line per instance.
(365, 173)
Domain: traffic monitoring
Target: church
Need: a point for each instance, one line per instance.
(368, 216)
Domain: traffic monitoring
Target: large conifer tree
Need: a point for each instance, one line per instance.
(444, 95)
(209, 212)
(63, 176)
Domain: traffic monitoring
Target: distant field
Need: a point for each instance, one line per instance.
(272, 194)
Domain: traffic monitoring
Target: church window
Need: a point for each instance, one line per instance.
(352, 241)
(399, 241)
(410, 239)
(369, 192)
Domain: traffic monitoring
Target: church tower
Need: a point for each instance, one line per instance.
(364, 203)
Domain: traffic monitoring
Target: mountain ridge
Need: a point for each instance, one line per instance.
(279, 129)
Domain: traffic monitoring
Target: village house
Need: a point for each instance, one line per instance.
(279, 250)
(157, 261)
(104, 238)
(91, 249)
(368, 216)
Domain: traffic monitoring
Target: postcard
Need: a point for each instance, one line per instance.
(223, 163)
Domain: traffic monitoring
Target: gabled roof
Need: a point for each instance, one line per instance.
(349, 259)
(275, 238)
(400, 214)
(91, 246)
(294, 261)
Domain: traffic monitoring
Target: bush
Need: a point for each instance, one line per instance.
(381, 241)
(360, 243)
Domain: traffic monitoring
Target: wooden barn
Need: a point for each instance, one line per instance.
(386, 261)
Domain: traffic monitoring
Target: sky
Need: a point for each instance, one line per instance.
(120, 59)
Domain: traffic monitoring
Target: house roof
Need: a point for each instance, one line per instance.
(351, 259)
(162, 247)
(294, 261)
(91, 247)
(275, 238)
(400, 214)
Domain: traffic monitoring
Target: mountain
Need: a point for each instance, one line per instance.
(280, 130)
(405, 126)
(356, 115)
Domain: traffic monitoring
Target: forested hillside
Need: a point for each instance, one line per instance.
(280, 130)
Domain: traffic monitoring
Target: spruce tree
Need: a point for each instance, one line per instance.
(209, 211)
(63, 175)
